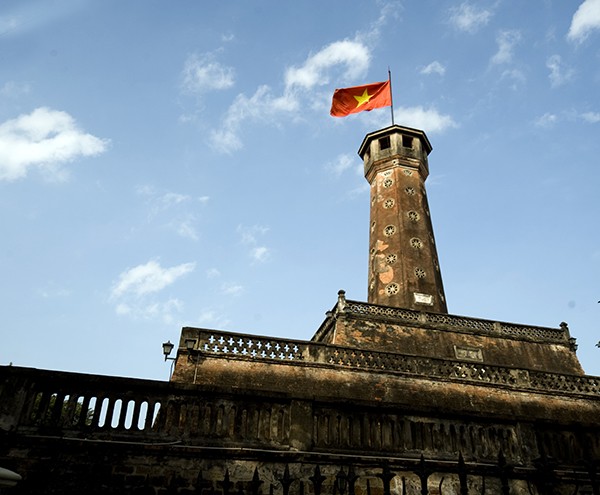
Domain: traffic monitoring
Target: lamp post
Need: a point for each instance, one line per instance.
(167, 348)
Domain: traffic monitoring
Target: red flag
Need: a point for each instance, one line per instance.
(361, 98)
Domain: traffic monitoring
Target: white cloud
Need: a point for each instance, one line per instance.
(201, 73)
(232, 289)
(585, 20)
(354, 55)
(260, 254)
(261, 106)
(428, 119)
(361, 190)
(507, 40)
(342, 163)
(516, 76)
(171, 198)
(249, 236)
(173, 210)
(52, 291)
(213, 319)
(591, 117)
(148, 278)
(469, 18)
(546, 120)
(434, 68)
(8, 24)
(45, 139)
(165, 311)
(135, 291)
(34, 15)
(13, 89)
(185, 228)
(212, 273)
(558, 74)
(264, 106)
(344, 60)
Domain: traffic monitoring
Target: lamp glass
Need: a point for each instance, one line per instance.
(167, 348)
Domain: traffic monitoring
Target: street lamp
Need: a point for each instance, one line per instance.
(167, 348)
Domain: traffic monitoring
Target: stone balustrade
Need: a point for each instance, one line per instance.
(268, 349)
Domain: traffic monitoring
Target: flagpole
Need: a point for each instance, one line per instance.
(391, 96)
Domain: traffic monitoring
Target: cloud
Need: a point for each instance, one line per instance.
(52, 291)
(591, 117)
(469, 18)
(201, 73)
(342, 163)
(148, 278)
(172, 209)
(354, 55)
(163, 310)
(558, 74)
(8, 24)
(232, 289)
(433, 68)
(135, 292)
(516, 76)
(46, 139)
(546, 120)
(343, 61)
(585, 20)
(185, 228)
(249, 236)
(212, 273)
(260, 254)
(264, 106)
(428, 119)
(30, 16)
(13, 89)
(211, 318)
(507, 40)
(261, 106)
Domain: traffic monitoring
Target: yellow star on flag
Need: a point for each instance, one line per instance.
(362, 99)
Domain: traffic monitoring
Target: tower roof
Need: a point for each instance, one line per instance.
(410, 131)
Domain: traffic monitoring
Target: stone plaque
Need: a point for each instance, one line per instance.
(426, 299)
(468, 354)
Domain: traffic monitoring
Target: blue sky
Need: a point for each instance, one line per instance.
(169, 164)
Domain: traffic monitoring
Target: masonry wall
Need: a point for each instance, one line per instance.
(262, 426)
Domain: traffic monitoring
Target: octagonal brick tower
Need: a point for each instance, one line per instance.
(403, 263)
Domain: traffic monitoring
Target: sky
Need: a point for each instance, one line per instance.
(169, 164)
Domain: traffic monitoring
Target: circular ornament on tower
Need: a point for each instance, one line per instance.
(389, 231)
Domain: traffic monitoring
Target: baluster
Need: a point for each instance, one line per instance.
(57, 409)
(123, 414)
(42, 409)
(70, 411)
(110, 405)
(135, 415)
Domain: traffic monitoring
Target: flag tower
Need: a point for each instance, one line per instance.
(404, 269)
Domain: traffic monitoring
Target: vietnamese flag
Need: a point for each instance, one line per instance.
(361, 98)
